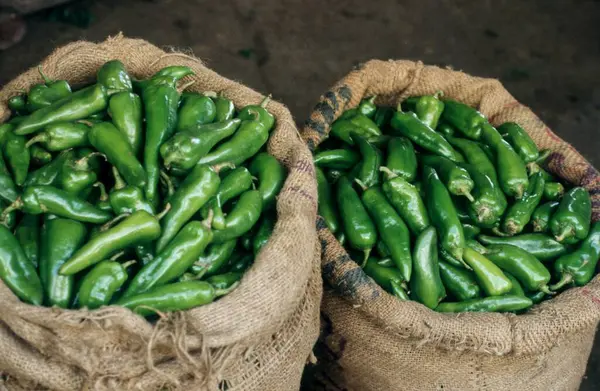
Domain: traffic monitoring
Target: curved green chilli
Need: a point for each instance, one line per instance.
(367, 171)
(541, 246)
(28, 235)
(263, 233)
(359, 124)
(271, 177)
(242, 218)
(518, 214)
(125, 109)
(214, 258)
(553, 191)
(194, 110)
(39, 156)
(101, 283)
(518, 138)
(464, 118)
(258, 112)
(428, 108)
(62, 135)
(113, 76)
(197, 188)
(475, 156)
(407, 201)
(327, 206)
(8, 189)
(443, 214)
(571, 221)
(16, 153)
(456, 179)
(489, 201)
(490, 277)
(532, 273)
(389, 278)
(392, 229)
(459, 282)
(426, 284)
(506, 303)
(409, 126)
(360, 230)
(540, 219)
(340, 159)
(225, 109)
(401, 158)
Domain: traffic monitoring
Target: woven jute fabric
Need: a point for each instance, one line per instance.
(372, 341)
(256, 338)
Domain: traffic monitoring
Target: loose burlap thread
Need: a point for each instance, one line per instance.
(256, 338)
(372, 341)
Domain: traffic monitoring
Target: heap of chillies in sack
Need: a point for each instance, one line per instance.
(441, 207)
(130, 192)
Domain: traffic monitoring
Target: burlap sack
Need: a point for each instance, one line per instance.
(256, 338)
(376, 342)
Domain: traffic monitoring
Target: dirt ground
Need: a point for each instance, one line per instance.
(546, 53)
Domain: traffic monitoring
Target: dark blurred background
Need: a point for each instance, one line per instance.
(545, 52)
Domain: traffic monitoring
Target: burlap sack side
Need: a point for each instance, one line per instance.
(376, 342)
(256, 338)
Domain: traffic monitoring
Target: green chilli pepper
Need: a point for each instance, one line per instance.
(125, 110)
(490, 277)
(100, 284)
(77, 176)
(43, 95)
(47, 199)
(541, 246)
(571, 221)
(459, 282)
(407, 201)
(518, 138)
(333, 175)
(367, 171)
(553, 191)
(489, 201)
(186, 148)
(194, 110)
(161, 100)
(387, 262)
(249, 113)
(60, 239)
(428, 108)
(464, 118)
(225, 280)
(242, 217)
(579, 266)
(245, 143)
(517, 289)
(271, 177)
(15, 152)
(17, 103)
(426, 284)
(240, 263)
(518, 214)
(139, 227)
(214, 258)
(174, 260)
(360, 230)
(507, 303)
(126, 199)
(443, 214)
(9, 219)
(8, 189)
(383, 115)
(392, 229)
(536, 297)
(106, 138)
(178, 296)
(341, 159)
(456, 179)
(388, 278)
(39, 156)
(225, 109)
(445, 129)
(359, 124)
(232, 185)
(113, 76)
(61, 136)
(197, 188)
(49, 174)
(102, 201)
(17, 272)
(28, 235)
(327, 205)
(409, 126)
(177, 72)
(367, 106)
(263, 233)
(532, 273)
(471, 231)
(77, 106)
(512, 173)
(475, 156)
(401, 158)
(540, 219)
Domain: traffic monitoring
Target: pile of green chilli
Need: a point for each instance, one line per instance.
(130, 192)
(461, 215)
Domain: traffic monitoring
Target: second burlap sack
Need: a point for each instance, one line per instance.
(257, 338)
(372, 341)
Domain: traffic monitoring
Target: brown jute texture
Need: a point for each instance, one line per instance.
(256, 338)
(375, 342)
